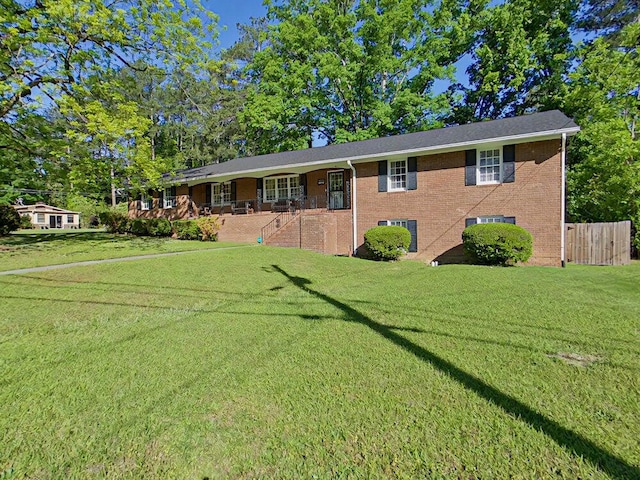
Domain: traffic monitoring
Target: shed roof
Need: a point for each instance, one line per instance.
(536, 126)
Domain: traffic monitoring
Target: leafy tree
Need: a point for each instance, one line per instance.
(604, 176)
(609, 16)
(519, 60)
(50, 47)
(346, 70)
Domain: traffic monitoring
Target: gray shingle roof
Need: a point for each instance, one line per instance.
(516, 128)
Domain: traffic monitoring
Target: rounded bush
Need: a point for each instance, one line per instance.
(187, 230)
(497, 244)
(9, 219)
(115, 222)
(140, 226)
(209, 227)
(387, 242)
(159, 227)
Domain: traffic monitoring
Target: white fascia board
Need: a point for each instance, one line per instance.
(342, 162)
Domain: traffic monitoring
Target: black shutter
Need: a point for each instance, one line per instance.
(233, 191)
(382, 223)
(190, 200)
(174, 191)
(511, 220)
(303, 184)
(138, 204)
(382, 176)
(161, 198)
(259, 184)
(412, 226)
(470, 167)
(508, 163)
(412, 173)
(207, 194)
(470, 221)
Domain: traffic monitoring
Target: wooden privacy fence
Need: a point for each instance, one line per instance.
(599, 243)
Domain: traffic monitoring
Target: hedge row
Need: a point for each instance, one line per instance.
(204, 228)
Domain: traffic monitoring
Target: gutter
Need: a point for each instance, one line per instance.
(354, 208)
(563, 201)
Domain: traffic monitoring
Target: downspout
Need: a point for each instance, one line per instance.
(354, 208)
(563, 157)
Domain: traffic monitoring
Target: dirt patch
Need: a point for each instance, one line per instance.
(4, 248)
(575, 359)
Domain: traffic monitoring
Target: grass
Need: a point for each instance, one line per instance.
(278, 363)
(33, 248)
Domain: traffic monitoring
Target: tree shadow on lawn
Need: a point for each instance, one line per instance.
(575, 443)
(31, 238)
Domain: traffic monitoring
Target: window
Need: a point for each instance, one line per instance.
(69, 218)
(170, 199)
(40, 217)
(489, 166)
(145, 202)
(397, 223)
(397, 175)
(221, 193)
(491, 219)
(279, 188)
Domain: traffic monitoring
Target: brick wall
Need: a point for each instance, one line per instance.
(442, 202)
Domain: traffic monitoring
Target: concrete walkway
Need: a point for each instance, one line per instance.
(114, 260)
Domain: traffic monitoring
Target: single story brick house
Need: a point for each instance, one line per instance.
(48, 216)
(435, 183)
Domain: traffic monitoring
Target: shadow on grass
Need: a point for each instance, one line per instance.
(573, 442)
(29, 238)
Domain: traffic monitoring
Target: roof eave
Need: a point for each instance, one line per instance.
(520, 138)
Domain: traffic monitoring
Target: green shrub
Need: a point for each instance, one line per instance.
(187, 230)
(497, 243)
(209, 227)
(9, 219)
(159, 227)
(140, 226)
(115, 222)
(25, 222)
(387, 243)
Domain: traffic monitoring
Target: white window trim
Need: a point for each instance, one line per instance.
(291, 193)
(218, 202)
(406, 171)
(145, 202)
(486, 148)
(169, 200)
(44, 218)
(398, 222)
(486, 219)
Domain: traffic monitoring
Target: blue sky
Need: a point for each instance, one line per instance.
(232, 12)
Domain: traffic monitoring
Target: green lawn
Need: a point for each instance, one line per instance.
(275, 363)
(35, 248)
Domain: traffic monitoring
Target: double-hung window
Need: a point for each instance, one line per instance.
(221, 194)
(69, 218)
(397, 175)
(280, 188)
(39, 217)
(170, 198)
(145, 202)
(489, 166)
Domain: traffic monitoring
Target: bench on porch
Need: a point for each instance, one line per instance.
(284, 205)
(240, 208)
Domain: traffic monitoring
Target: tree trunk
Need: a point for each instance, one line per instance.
(113, 187)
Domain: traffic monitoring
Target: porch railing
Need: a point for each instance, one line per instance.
(257, 205)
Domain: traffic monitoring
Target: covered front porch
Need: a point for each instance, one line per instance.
(327, 189)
